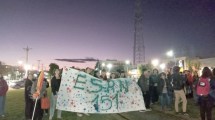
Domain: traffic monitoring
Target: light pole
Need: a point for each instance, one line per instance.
(171, 54)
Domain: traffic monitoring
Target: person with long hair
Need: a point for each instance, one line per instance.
(205, 100)
(28, 97)
(195, 82)
(55, 85)
(3, 91)
(163, 89)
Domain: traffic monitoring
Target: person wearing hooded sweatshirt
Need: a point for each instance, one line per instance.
(3, 91)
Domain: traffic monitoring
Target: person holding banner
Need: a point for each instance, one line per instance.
(143, 83)
(55, 85)
(37, 90)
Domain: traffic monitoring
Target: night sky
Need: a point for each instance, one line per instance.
(103, 29)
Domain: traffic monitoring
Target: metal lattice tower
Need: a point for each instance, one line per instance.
(139, 48)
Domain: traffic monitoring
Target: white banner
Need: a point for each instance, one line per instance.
(81, 92)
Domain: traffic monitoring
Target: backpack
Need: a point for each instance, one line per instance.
(203, 87)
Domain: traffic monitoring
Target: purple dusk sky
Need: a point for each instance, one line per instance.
(103, 29)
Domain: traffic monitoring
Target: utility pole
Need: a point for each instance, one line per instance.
(139, 47)
(27, 50)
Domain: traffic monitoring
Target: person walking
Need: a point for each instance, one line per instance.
(28, 97)
(143, 83)
(55, 85)
(3, 91)
(178, 86)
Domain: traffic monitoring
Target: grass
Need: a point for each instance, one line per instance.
(15, 110)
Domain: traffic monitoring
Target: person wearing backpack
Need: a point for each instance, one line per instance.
(178, 82)
(203, 89)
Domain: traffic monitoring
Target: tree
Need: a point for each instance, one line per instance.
(142, 68)
(193, 64)
(52, 68)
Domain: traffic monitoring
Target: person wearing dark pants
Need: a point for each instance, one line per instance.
(153, 82)
(146, 97)
(143, 83)
(38, 114)
(206, 106)
(28, 98)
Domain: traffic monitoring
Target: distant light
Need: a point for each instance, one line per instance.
(27, 67)
(127, 62)
(109, 66)
(103, 64)
(170, 53)
(163, 66)
(20, 62)
(155, 62)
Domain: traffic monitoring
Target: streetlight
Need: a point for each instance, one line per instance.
(155, 62)
(162, 66)
(171, 54)
(127, 62)
(20, 62)
(109, 66)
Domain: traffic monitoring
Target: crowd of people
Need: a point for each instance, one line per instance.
(166, 88)
(175, 87)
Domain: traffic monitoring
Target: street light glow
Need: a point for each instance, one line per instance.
(109, 66)
(155, 62)
(103, 64)
(20, 62)
(127, 62)
(163, 66)
(170, 53)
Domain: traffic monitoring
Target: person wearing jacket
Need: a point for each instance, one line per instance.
(38, 114)
(153, 83)
(206, 101)
(55, 85)
(3, 91)
(28, 97)
(178, 86)
(163, 89)
(143, 83)
(195, 82)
